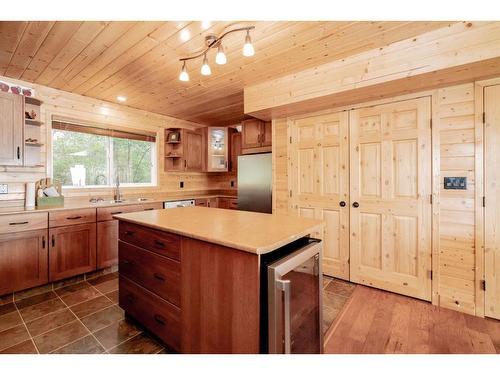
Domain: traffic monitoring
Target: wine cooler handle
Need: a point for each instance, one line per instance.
(284, 285)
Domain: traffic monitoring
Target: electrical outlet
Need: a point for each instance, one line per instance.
(4, 189)
(181, 184)
(232, 183)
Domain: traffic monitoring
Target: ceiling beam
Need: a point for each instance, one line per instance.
(459, 53)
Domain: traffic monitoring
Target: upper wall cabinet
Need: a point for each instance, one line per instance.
(217, 149)
(255, 136)
(184, 150)
(11, 129)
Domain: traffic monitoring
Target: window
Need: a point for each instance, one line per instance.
(84, 156)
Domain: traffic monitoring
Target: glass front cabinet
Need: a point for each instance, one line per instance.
(217, 150)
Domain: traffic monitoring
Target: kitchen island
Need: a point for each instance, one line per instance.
(192, 275)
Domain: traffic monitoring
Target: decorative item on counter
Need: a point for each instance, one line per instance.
(29, 197)
(30, 115)
(15, 90)
(49, 194)
(174, 136)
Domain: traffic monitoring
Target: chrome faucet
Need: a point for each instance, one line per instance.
(118, 194)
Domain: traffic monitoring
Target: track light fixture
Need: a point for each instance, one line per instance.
(213, 41)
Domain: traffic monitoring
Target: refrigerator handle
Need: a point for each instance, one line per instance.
(284, 285)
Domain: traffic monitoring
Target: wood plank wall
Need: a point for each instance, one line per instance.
(454, 117)
(73, 106)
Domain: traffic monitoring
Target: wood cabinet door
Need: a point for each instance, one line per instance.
(319, 157)
(11, 129)
(72, 250)
(193, 151)
(390, 187)
(492, 200)
(251, 133)
(23, 260)
(107, 243)
(267, 134)
(235, 151)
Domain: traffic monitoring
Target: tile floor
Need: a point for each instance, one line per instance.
(78, 318)
(85, 318)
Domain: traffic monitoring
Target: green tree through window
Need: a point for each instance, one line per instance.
(102, 157)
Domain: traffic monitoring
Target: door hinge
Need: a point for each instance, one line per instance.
(430, 198)
(484, 201)
(430, 274)
(483, 284)
(430, 123)
(290, 193)
(484, 117)
(290, 139)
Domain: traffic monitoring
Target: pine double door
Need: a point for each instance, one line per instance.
(367, 173)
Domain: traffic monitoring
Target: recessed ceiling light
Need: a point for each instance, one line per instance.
(121, 98)
(185, 34)
(205, 24)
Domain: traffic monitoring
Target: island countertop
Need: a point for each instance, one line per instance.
(253, 232)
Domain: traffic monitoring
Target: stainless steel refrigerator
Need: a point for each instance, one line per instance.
(255, 183)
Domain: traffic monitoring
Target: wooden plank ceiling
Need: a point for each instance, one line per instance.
(139, 60)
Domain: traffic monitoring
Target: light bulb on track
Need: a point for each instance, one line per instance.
(248, 49)
(205, 68)
(220, 58)
(184, 76)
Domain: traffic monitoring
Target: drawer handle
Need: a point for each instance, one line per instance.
(127, 262)
(116, 213)
(159, 243)
(73, 217)
(149, 209)
(53, 241)
(129, 233)
(159, 319)
(159, 276)
(43, 242)
(19, 223)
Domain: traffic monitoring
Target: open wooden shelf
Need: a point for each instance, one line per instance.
(34, 101)
(31, 122)
(33, 144)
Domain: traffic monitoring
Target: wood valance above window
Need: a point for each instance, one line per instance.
(89, 129)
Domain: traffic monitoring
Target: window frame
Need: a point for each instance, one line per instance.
(109, 161)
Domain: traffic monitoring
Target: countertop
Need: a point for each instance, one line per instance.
(72, 204)
(248, 231)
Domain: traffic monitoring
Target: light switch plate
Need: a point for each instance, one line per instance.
(4, 188)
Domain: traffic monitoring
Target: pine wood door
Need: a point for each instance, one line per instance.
(11, 129)
(319, 157)
(492, 200)
(390, 187)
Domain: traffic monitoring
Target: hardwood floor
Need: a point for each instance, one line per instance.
(374, 321)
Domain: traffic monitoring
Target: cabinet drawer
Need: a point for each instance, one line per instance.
(152, 206)
(201, 202)
(158, 274)
(23, 222)
(106, 213)
(228, 203)
(159, 316)
(70, 217)
(162, 243)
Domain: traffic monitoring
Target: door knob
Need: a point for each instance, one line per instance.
(355, 204)
(342, 204)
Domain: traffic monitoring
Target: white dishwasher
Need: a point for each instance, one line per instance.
(175, 204)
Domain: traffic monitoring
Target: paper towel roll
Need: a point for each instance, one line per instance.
(29, 198)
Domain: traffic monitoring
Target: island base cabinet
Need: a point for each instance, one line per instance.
(107, 243)
(23, 260)
(160, 317)
(72, 250)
